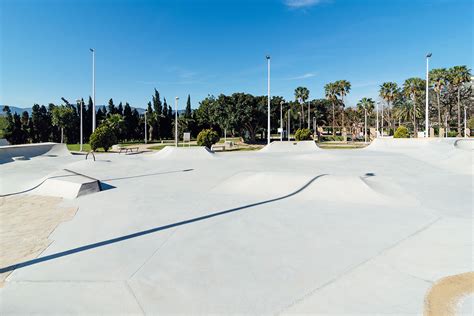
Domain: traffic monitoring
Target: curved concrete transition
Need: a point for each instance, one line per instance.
(287, 230)
(184, 153)
(28, 151)
(290, 146)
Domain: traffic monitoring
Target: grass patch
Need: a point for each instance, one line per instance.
(85, 148)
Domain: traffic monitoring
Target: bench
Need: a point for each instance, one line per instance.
(127, 149)
(217, 147)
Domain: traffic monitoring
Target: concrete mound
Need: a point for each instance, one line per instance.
(290, 146)
(464, 144)
(440, 152)
(184, 153)
(69, 187)
(28, 151)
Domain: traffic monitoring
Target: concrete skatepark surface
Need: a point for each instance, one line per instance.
(290, 229)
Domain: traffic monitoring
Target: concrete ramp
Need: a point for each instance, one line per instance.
(290, 146)
(464, 144)
(184, 153)
(28, 151)
(69, 186)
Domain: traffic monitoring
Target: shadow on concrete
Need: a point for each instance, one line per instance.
(146, 175)
(150, 231)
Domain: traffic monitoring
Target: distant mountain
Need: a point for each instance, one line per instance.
(19, 110)
(15, 109)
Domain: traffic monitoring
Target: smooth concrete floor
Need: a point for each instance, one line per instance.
(364, 231)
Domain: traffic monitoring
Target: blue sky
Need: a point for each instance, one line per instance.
(206, 47)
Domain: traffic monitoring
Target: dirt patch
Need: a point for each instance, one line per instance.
(445, 295)
(25, 224)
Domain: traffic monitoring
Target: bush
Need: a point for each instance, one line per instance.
(103, 137)
(207, 137)
(303, 134)
(452, 133)
(401, 132)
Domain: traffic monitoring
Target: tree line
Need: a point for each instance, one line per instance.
(245, 115)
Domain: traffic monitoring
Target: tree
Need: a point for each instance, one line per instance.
(365, 104)
(343, 87)
(401, 132)
(150, 120)
(61, 116)
(438, 79)
(301, 95)
(119, 109)
(111, 107)
(331, 91)
(458, 75)
(188, 111)
(389, 92)
(102, 137)
(157, 116)
(303, 134)
(207, 137)
(116, 124)
(413, 88)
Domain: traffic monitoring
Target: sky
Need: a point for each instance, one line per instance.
(202, 47)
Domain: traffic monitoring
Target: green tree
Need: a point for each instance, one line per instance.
(103, 137)
(111, 106)
(116, 124)
(413, 88)
(365, 104)
(61, 117)
(301, 95)
(438, 79)
(389, 92)
(458, 76)
(207, 137)
(401, 132)
(343, 87)
(331, 91)
(188, 112)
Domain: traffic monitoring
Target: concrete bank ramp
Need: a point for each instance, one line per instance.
(28, 151)
(452, 154)
(464, 144)
(328, 188)
(290, 146)
(184, 153)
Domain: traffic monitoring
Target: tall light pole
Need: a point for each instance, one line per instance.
(309, 117)
(382, 118)
(427, 95)
(281, 120)
(465, 124)
(81, 104)
(288, 114)
(176, 122)
(365, 124)
(377, 119)
(268, 100)
(146, 133)
(93, 88)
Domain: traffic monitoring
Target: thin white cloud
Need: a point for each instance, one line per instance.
(299, 4)
(305, 76)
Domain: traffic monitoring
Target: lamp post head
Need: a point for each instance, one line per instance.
(177, 98)
(267, 57)
(429, 55)
(281, 102)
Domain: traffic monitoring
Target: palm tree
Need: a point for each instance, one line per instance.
(344, 87)
(365, 107)
(402, 111)
(389, 91)
(458, 75)
(331, 91)
(301, 93)
(438, 79)
(414, 88)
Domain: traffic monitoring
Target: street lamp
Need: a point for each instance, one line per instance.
(146, 133)
(80, 102)
(281, 120)
(309, 117)
(365, 124)
(382, 118)
(176, 122)
(427, 96)
(377, 119)
(93, 88)
(288, 113)
(268, 101)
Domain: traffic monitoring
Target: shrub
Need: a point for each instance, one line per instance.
(303, 134)
(207, 137)
(401, 132)
(452, 133)
(470, 123)
(103, 137)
